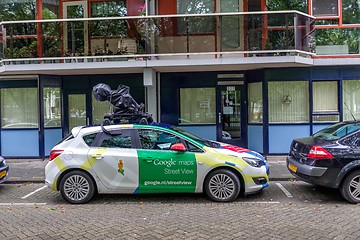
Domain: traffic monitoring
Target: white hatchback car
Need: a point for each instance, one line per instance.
(157, 158)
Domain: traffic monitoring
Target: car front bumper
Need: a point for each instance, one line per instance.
(4, 173)
(322, 176)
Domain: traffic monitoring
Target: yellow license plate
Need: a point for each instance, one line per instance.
(292, 167)
(2, 174)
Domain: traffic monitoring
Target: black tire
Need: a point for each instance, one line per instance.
(222, 185)
(77, 187)
(350, 188)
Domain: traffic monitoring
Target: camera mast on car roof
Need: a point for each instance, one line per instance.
(126, 109)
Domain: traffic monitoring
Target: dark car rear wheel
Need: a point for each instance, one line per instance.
(77, 187)
(222, 185)
(350, 188)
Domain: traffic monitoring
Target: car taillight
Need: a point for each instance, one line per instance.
(317, 152)
(54, 154)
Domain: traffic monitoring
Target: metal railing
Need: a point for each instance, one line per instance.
(242, 34)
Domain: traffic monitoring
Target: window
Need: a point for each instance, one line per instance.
(325, 9)
(52, 107)
(351, 11)
(118, 141)
(288, 102)
(195, 25)
(337, 131)
(325, 95)
(89, 139)
(152, 139)
(351, 99)
(19, 108)
(108, 9)
(325, 101)
(255, 108)
(197, 106)
(192, 148)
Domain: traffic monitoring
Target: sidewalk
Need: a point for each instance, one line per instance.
(32, 170)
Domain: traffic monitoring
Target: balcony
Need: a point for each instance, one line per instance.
(239, 36)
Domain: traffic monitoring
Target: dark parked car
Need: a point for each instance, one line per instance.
(4, 168)
(330, 158)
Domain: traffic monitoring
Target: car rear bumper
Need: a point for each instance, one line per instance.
(315, 175)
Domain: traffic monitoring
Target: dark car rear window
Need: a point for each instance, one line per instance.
(337, 131)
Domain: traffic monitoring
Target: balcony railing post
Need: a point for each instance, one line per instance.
(187, 37)
(296, 33)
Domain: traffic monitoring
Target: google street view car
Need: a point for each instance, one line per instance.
(150, 158)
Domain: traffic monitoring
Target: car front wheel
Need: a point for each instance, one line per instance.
(222, 186)
(77, 187)
(350, 189)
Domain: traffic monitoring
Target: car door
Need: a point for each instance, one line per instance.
(162, 169)
(115, 160)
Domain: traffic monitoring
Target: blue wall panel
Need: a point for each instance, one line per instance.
(317, 128)
(207, 132)
(255, 138)
(52, 137)
(280, 137)
(20, 143)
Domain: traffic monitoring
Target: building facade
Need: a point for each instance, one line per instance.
(253, 73)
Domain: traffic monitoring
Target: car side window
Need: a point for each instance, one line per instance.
(352, 141)
(192, 148)
(89, 139)
(117, 141)
(154, 139)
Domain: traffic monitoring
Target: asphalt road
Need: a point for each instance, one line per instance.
(285, 210)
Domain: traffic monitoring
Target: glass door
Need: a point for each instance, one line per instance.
(77, 110)
(51, 119)
(75, 33)
(231, 108)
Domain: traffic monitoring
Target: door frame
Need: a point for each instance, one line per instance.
(45, 82)
(242, 87)
(88, 108)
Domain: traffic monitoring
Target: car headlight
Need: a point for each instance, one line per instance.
(254, 162)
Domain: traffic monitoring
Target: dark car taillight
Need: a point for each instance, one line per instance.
(54, 154)
(317, 152)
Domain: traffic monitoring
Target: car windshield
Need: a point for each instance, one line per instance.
(196, 138)
(337, 131)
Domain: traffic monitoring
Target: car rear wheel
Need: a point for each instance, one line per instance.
(77, 187)
(222, 185)
(350, 189)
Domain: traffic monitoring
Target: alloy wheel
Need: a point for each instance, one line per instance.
(222, 186)
(354, 187)
(76, 188)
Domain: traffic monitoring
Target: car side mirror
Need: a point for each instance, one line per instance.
(180, 147)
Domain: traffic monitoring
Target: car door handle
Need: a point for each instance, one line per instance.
(149, 159)
(97, 156)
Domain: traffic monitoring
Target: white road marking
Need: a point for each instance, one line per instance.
(286, 192)
(265, 202)
(39, 189)
(21, 204)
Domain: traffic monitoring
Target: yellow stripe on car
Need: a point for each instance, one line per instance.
(92, 159)
(59, 163)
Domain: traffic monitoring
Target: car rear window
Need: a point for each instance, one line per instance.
(337, 131)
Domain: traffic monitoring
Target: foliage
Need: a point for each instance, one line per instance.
(27, 47)
(339, 37)
(351, 11)
(278, 5)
